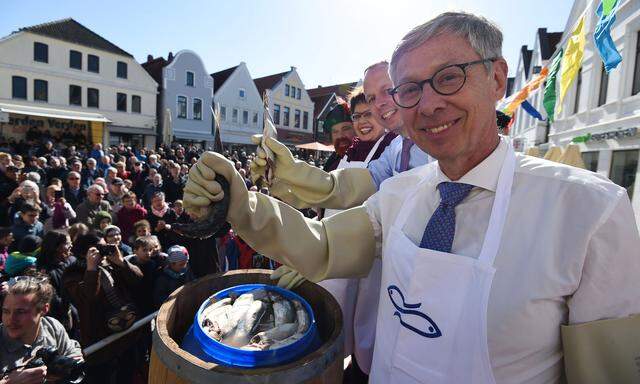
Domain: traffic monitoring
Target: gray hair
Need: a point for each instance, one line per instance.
(34, 176)
(483, 35)
(95, 187)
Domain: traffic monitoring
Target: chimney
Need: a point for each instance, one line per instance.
(170, 57)
(292, 67)
(149, 58)
(319, 86)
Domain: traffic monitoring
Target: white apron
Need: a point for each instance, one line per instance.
(356, 293)
(432, 316)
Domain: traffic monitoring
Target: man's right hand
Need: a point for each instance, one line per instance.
(26, 376)
(93, 259)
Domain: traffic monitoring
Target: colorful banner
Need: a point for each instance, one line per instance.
(510, 104)
(572, 59)
(532, 110)
(549, 100)
(606, 17)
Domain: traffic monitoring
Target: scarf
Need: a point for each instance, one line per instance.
(161, 212)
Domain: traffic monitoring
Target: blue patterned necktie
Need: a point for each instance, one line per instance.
(438, 235)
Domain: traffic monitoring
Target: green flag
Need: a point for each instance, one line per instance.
(549, 100)
(607, 7)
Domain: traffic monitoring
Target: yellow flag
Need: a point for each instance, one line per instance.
(572, 59)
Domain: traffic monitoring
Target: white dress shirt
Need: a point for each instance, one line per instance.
(569, 253)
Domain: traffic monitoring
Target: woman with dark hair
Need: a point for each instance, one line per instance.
(161, 216)
(55, 257)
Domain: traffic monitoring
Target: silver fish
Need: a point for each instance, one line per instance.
(264, 340)
(246, 324)
(302, 322)
(283, 312)
(220, 322)
(214, 305)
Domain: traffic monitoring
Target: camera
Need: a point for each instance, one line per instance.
(68, 369)
(106, 249)
(58, 194)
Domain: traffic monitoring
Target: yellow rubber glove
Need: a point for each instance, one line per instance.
(287, 278)
(317, 249)
(302, 185)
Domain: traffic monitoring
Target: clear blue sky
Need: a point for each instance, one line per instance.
(329, 41)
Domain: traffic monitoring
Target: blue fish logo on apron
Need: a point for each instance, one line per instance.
(408, 311)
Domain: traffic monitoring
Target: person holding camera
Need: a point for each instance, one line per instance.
(26, 331)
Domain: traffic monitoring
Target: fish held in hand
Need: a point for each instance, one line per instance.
(212, 223)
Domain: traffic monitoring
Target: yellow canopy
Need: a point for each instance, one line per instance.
(533, 151)
(554, 153)
(572, 156)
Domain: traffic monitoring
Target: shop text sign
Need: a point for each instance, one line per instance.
(27, 122)
(616, 135)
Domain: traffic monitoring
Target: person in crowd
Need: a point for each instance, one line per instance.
(122, 170)
(86, 211)
(174, 185)
(101, 221)
(27, 223)
(55, 169)
(58, 211)
(6, 240)
(76, 230)
(174, 275)
(26, 192)
(181, 214)
(105, 164)
(112, 235)
(26, 328)
(338, 122)
(153, 188)
(116, 193)
(55, 256)
(153, 162)
(130, 213)
(23, 261)
(143, 249)
(90, 173)
(110, 175)
(161, 216)
(31, 165)
(74, 192)
(140, 228)
(96, 153)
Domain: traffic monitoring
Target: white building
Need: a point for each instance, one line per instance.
(290, 105)
(62, 76)
(602, 112)
(241, 108)
(528, 131)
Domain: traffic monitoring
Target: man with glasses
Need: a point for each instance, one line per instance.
(485, 253)
(93, 204)
(74, 192)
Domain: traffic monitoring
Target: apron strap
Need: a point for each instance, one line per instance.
(374, 149)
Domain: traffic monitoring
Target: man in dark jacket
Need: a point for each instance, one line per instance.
(74, 192)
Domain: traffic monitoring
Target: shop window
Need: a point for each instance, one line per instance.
(305, 120)
(245, 117)
(75, 60)
(93, 63)
(182, 107)
(40, 90)
(190, 79)
(624, 165)
(19, 87)
(41, 52)
(604, 84)
(285, 118)
(276, 113)
(136, 104)
(296, 118)
(591, 160)
(93, 98)
(122, 70)
(75, 95)
(197, 109)
(121, 102)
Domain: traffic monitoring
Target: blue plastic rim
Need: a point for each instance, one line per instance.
(215, 351)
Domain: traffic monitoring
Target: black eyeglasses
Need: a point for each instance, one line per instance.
(446, 82)
(364, 115)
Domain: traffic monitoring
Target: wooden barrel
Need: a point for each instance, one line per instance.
(170, 364)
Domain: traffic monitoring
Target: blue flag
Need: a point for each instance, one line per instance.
(531, 110)
(602, 35)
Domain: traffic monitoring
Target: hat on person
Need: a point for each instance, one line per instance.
(101, 215)
(117, 181)
(339, 113)
(111, 230)
(177, 253)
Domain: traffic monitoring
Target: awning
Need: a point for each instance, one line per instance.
(51, 112)
(195, 136)
(316, 147)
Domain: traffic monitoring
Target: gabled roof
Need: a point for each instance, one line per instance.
(74, 32)
(154, 67)
(221, 76)
(548, 42)
(268, 82)
(321, 95)
(526, 59)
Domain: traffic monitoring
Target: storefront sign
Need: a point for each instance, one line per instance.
(616, 135)
(48, 123)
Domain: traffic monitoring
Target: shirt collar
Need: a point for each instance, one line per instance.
(485, 174)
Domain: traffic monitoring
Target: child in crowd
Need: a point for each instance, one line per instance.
(141, 228)
(175, 274)
(27, 222)
(112, 235)
(143, 249)
(77, 229)
(6, 239)
(23, 261)
(102, 220)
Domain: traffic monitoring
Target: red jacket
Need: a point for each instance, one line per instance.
(127, 217)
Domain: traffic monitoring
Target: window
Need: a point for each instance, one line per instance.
(636, 70)
(40, 90)
(624, 166)
(93, 98)
(136, 104)
(121, 102)
(75, 59)
(293, 92)
(286, 89)
(182, 107)
(255, 118)
(305, 120)
(245, 117)
(591, 160)
(75, 95)
(19, 90)
(197, 109)
(41, 52)
(298, 93)
(189, 79)
(604, 84)
(576, 105)
(223, 113)
(93, 63)
(276, 113)
(241, 93)
(285, 118)
(234, 115)
(122, 70)
(296, 119)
